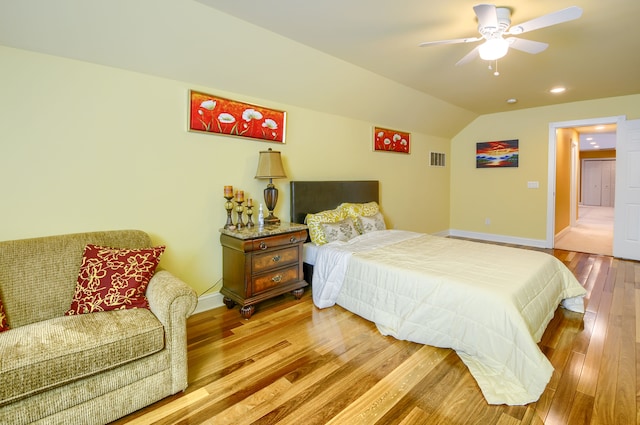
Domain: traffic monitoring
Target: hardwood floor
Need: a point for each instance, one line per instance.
(292, 363)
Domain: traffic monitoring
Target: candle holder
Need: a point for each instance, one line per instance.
(249, 214)
(239, 209)
(229, 207)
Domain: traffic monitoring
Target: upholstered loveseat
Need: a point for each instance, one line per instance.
(84, 368)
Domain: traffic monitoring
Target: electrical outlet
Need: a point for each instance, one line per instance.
(487, 221)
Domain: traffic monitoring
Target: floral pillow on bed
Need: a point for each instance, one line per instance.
(315, 221)
(355, 210)
(371, 223)
(340, 231)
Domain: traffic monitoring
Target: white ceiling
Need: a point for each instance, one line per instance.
(597, 137)
(595, 56)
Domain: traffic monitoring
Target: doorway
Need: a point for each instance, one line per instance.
(581, 193)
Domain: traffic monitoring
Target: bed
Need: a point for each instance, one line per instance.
(489, 303)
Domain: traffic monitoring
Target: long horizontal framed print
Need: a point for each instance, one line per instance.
(499, 154)
(387, 140)
(214, 114)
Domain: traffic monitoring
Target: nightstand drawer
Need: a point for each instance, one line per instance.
(261, 262)
(276, 278)
(278, 240)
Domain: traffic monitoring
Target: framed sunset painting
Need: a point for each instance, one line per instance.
(214, 114)
(499, 154)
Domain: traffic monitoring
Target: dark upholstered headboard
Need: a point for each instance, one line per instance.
(316, 196)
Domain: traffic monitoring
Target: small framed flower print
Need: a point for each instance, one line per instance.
(214, 114)
(387, 140)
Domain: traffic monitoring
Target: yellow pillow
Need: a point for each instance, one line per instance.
(356, 210)
(314, 222)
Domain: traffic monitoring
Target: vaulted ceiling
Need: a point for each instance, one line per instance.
(595, 56)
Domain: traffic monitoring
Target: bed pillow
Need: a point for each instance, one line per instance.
(342, 230)
(113, 279)
(314, 222)
(4, 324)
(355, 210)
(371, 223)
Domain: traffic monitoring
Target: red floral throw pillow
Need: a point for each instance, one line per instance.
(4, 324)
(114, 279)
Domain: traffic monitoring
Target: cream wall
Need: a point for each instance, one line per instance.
(86, 147)
(502, 194)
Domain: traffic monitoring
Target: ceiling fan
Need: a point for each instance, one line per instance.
(495, 22)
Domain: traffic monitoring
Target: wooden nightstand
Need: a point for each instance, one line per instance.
(259, 264)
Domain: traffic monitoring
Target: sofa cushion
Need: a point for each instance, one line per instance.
(48, 354)
(4, 325)
(113, 279)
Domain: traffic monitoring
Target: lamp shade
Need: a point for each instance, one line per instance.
(270, 165)
(493, 49)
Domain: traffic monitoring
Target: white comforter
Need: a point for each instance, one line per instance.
(489, 303)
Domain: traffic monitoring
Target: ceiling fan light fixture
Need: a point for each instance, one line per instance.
(493, 49)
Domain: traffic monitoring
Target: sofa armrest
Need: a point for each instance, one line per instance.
(172, 301)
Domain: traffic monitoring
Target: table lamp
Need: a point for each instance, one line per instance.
(270, 167)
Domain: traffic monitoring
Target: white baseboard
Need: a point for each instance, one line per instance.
(537, 243)
(443, 233)
(208, 302)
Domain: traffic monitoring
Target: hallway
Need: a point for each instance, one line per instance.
(593, 232)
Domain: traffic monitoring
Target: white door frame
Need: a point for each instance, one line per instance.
(551, 178)
(573, 190)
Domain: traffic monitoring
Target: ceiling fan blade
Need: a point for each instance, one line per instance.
(528, 46)
(564, 15)
(452, 41)
(469, 56)
(487, 15)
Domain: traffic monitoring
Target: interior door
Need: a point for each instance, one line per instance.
(626, 232)
(608, 183)
(592, 182)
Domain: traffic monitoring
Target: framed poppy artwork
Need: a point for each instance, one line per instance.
(214, 114)
(387, 140)
(499, 154)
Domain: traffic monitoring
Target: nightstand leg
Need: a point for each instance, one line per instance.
(298, 293)
(247, 310)
(228, 302)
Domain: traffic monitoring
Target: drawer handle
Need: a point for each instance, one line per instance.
(275, 258)
(277, 278)
(293, 239)
(263, 245)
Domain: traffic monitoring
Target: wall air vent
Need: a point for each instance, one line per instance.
(437, 159)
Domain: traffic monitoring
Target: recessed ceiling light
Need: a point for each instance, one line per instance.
(512, 100)
(592, 143)
(596, 147)
(557, 90)
(589, 138)
(600, 127)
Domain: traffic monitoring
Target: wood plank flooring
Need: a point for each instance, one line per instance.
(292, 363)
